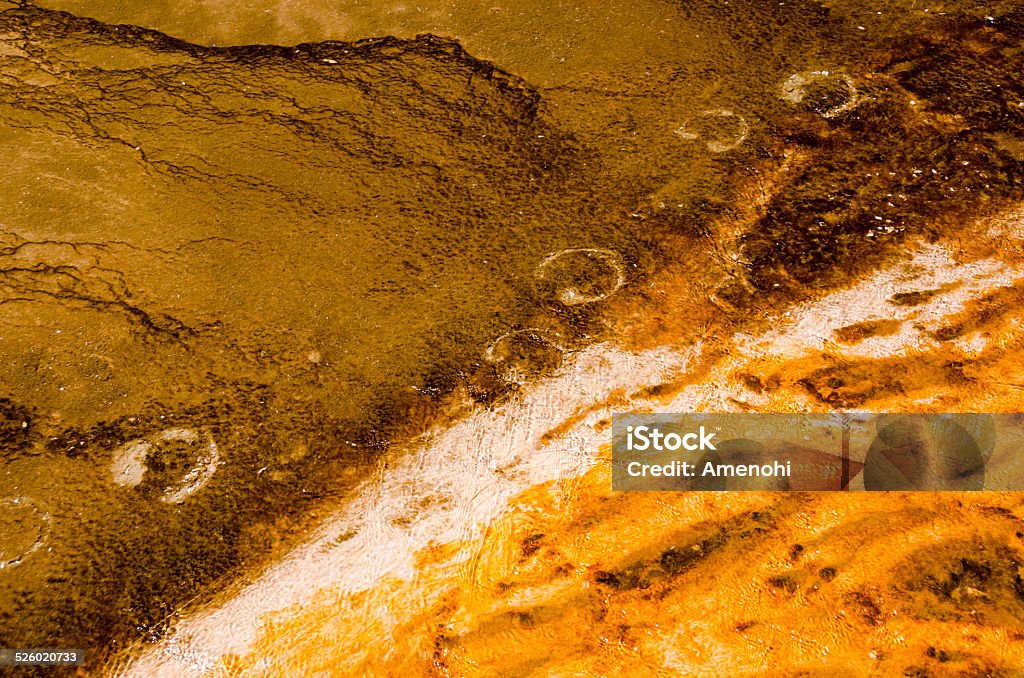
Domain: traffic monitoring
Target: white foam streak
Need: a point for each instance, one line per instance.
(811, 326)
(450, 488)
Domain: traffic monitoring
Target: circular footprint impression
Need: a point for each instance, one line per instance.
(827, 93)
(581, 276)
(174, 463)
(523, 355)
(23, 530)
(721, 130)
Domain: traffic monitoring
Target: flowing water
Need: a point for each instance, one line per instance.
(239, 277)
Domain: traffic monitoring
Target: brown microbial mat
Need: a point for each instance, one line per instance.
(314, 316)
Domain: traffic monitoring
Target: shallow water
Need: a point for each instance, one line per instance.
(232, 277)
